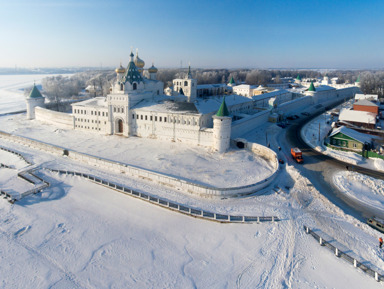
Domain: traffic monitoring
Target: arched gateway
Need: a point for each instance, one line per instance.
(119, 126)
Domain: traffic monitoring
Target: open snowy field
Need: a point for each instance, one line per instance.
(77, 234)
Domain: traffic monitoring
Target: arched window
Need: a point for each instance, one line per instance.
(185, 83)
(121, 87)
(134, 86)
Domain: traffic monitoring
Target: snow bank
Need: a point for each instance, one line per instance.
(360, 187)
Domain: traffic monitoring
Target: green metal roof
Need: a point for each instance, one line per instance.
(232, 81)
(35, 93)
(311, 87)
(298, 77)
(223, 110)
(132, 74)
(358, 79)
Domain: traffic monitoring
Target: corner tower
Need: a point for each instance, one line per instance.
(222, 128)
(35, 99)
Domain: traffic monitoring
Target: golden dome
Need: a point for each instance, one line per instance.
(139, 62)
(120, 69)
(152, 69)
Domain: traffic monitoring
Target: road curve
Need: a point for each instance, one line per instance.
(319, 169)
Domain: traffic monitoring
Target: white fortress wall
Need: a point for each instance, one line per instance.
(244, 125)
(61, 119)
(298, 104)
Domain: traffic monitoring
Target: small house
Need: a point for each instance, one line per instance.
(348, 138)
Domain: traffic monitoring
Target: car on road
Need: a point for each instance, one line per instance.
(282, 125)
(281, 161)
(376, 223)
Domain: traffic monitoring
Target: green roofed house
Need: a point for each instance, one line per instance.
(348, 138)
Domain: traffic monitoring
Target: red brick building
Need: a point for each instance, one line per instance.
(366, 105)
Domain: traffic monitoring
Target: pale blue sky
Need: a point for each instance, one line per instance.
(209, 34)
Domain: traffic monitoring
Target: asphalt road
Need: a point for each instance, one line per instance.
(319, 169)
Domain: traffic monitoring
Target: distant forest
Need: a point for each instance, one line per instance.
(61, 87)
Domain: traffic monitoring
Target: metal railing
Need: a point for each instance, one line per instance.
(338, 253)
(194, 212)
(16, 153)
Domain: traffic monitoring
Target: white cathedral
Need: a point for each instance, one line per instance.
(137, 106)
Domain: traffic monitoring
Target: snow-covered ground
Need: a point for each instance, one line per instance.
(360, 187)
(77, 234)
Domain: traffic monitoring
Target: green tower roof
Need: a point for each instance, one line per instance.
(223, 110)
(132, 74)
(311, 87)
(298, 77)
(232, 81)
(358, 79)
(35, 93)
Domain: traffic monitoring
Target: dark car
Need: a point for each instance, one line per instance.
(281, 161)
(282, 125)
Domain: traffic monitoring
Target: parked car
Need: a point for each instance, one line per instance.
(282, 125)
(281, 161)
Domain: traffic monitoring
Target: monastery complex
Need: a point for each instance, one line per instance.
(138, 105)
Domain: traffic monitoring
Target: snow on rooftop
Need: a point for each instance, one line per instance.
(366, 96)
(167, 106)
(97, 101)
(361, 137)
(211, 105)
(357, 116)
(324, 87)
(365, 102)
